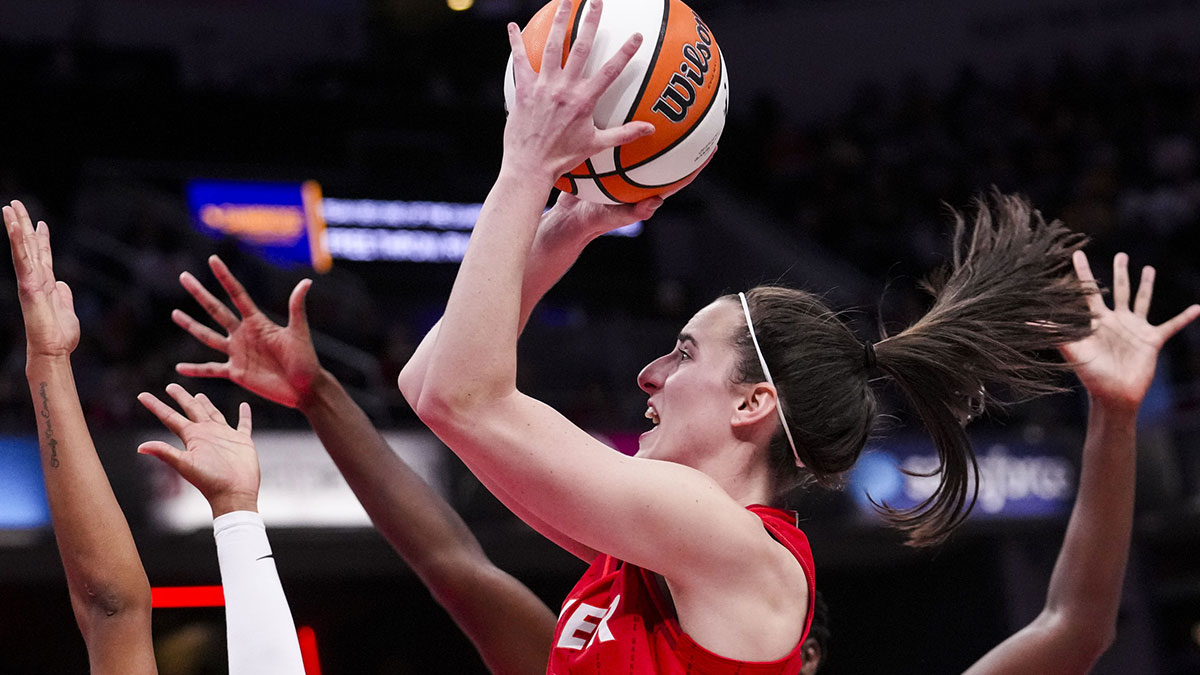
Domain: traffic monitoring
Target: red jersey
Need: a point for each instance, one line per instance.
(616, 620)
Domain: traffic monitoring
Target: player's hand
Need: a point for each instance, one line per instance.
(550, 127)
(1116, 362)
(276, 362)
(51, 327)
(218, 459)
(574, 217)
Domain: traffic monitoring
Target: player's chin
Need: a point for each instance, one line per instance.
(646, 443)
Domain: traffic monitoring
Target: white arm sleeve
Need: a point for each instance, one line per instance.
(258, 621)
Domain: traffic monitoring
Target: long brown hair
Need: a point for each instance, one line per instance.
(1007, 297)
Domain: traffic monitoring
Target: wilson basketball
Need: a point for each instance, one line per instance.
(676, 81)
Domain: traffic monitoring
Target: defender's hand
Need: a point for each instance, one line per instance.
(218, 459)
(51, 327)
(1116, 363)
(276, 362)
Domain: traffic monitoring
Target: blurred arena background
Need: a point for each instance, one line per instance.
(852, 126)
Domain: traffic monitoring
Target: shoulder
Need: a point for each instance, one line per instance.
(784, 531)
(756, 605)
(762, 554)
(784, 526)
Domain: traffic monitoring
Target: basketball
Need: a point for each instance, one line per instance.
(676, 81)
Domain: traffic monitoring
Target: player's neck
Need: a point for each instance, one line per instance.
(742, 472)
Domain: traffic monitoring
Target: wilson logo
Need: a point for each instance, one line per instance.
(680, 93)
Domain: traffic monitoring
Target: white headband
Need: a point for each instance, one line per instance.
(767, 372)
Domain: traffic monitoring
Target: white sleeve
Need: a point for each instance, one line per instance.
(258, 622)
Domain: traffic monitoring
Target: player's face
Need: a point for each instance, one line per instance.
(692, 395)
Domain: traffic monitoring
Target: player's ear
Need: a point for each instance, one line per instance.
(755, 403)
(810, 654)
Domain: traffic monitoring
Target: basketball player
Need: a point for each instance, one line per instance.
(1116, 365)
(110, 594)
(220, 461)
(689, 569)
(509, 625)
(736, 591)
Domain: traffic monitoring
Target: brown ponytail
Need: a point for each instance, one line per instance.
(1008, 296)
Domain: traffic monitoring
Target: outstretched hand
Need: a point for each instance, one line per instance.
(51, 327)
(273, 361)
(1116, 362)
(218, 459)
(550, 126)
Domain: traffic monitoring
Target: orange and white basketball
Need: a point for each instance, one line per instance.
(676, 81)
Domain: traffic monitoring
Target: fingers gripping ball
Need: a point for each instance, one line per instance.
(676, 81)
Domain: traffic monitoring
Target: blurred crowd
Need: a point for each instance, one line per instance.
(1109, 148)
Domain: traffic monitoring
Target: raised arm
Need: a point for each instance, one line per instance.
(562, 234)
(640, 511)
(221, 462)
(1116, 365)
(109, 591)
(509, 625)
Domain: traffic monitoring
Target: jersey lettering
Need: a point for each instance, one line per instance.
(587, 623)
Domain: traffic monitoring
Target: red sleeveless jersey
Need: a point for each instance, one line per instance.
(616, 620)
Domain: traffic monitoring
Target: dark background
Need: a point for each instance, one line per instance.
(853, 127)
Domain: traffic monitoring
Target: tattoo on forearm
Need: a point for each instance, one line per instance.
(51, 441)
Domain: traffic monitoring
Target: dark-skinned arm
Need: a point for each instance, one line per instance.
(509, 625)
(110, 594)
(1116, 365)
